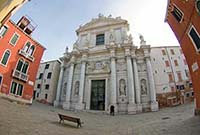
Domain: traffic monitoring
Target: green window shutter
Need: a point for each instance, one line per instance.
(19, 90)
(13, 87)
(19, 65)
(5, 57)
(14, 39)
(25, 67)
(3, 31)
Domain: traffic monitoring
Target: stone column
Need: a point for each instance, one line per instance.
(154, 104)
(113, 81)
(66, 105)
(80, 104)
(113, 88)
(130, 80)
(131, 89)
(59, 86)
(137, 86)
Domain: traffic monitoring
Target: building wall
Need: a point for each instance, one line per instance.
(163, 62)
(54, 69)
(181, 29)
(8, 7)
(8, 70)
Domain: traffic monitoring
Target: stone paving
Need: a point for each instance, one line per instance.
(39, 119)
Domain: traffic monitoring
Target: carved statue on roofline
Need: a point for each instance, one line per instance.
(142, 41)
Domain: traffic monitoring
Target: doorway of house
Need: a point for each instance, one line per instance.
(97, 95)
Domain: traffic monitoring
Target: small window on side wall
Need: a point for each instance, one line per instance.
(100, 39)
(14, 39)
(177, 13)
(5, 58)
(47, 66)
(195, 38)
(31, 50)
(26, 47)
(3, 31)
(198, 6)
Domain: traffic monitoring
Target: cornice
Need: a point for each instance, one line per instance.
(107, 22)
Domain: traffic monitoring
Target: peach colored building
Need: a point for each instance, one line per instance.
(20, 57)
(183, 16)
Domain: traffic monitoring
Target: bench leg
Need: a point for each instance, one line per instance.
(78, 125)
(61, 120)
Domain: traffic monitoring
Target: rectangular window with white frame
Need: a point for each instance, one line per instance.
(16, 88)
(22, 66)
(177, 13)
(3, 31)
(14, 39)
(100, 39)
(195, 38)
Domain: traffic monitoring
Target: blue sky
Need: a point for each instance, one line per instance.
(57, 21)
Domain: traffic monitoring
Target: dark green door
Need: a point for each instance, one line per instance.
(98, 95)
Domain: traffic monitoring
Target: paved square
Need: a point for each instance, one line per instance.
(39, 119)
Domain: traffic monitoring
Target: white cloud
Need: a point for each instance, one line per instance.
(147, 18)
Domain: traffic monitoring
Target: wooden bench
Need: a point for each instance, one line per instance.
(70, 118)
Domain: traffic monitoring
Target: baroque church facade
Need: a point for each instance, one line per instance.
(106, 70)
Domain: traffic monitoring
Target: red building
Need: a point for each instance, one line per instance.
(20, 57)
(183, 16)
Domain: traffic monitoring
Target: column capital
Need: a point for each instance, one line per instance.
(134, 57)
(84, 57)
(72, 60)
(147, 58)
(127, 52)
(128, 56)
(112, 53)
(62, 66)
(112, 57)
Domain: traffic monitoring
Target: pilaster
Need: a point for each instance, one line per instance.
(154, 104)
(80, 105)
(66, 104)
(131, 89)
(58, 92)
(113, 90)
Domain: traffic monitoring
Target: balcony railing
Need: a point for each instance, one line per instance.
(26, 55)
(19, 75)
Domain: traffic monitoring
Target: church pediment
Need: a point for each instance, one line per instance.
(102, 21)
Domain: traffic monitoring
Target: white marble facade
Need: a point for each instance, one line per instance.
(105, 69)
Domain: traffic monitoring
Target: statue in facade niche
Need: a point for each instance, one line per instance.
(111, 38)
(122, 87)
(76, 88)
(86, 43)
(143, 87)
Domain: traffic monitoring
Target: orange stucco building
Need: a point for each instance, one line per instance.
(20, 57)
(183, 16)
